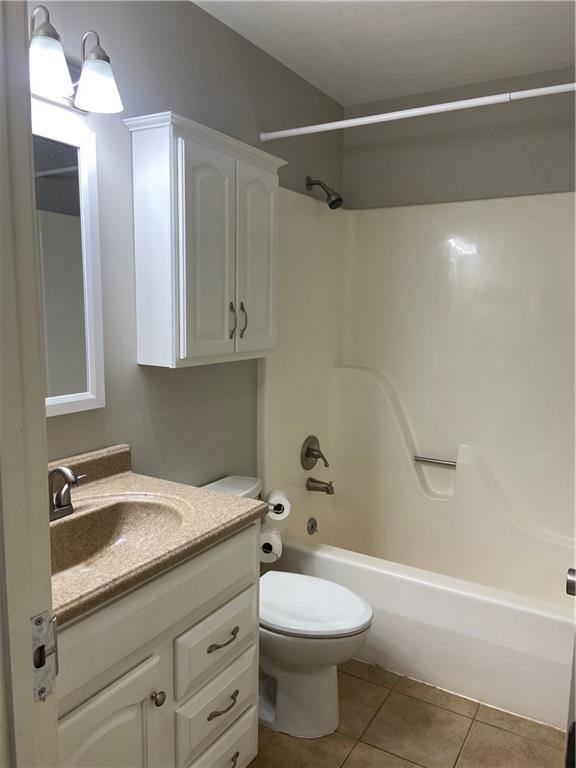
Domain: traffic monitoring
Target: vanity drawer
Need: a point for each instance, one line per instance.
(235, 748)
(215, 641)
(193, 589)
(216, 706)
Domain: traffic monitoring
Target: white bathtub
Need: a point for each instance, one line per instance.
(498, 647)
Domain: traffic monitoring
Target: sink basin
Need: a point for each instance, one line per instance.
(105, 528)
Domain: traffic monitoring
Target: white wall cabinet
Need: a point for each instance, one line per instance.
(205, 243)
(255, 249)
(167, 677)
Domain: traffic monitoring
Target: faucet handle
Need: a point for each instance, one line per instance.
(311, 452)
(316, 453)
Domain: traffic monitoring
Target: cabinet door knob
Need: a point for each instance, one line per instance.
(234, 759)
(232, 309)
(245, 326)
(158, 697)
(217, 646)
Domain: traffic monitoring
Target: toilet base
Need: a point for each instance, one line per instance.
(302, 703)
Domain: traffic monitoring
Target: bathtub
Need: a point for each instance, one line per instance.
(498, 647)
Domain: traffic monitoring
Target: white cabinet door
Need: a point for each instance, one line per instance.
(206, 279)
(256, 258)
(121, 727)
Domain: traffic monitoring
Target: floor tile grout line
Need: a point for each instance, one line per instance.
(343, 763)
(417, 698)
(438, 706)
(473, 718)
(372, 682)
(478, 703)
(512, 714)
(374, 715)
(463, 743)
(519, 735)
(394, 754)
(385, 751)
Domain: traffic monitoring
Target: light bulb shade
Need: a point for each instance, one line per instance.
(49, 74)
(97, 90)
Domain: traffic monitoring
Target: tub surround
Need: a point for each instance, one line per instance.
(429, 329)
(132, 544)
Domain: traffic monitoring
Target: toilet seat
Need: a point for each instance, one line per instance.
(305, 606)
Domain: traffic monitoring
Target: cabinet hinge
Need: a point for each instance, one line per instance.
(44, 654)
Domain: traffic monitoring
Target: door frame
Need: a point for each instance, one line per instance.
(28, 727)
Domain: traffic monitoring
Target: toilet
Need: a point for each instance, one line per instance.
(307, 627)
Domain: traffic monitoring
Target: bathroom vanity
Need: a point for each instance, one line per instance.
(158, 616)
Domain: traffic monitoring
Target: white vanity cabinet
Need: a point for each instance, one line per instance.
(167, 676)
(121, 726)
(205, 243)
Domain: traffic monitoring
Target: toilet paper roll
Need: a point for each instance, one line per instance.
(279, 506)
(270, 544)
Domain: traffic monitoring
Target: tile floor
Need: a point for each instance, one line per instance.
(387, 721)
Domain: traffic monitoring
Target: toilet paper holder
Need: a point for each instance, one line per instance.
(267, 549)
(278, 508)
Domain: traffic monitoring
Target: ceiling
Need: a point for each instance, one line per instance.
(358, 51)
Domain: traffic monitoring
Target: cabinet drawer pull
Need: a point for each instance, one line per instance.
(219, 713)
(234, 759)
(217, 646)
(232, 309)
(158, 697)
(243, 309)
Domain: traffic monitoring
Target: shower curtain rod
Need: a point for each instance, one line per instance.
(432, 109)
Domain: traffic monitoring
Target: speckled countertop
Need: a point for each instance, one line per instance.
(128, 528)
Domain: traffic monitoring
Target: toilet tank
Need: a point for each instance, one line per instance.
(237, 485)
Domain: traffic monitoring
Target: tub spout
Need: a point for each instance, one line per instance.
(319, 485)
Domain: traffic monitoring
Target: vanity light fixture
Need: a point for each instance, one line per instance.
(49, 74)
(97, 90)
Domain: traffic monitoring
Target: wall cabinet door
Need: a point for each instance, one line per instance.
(121, 727)
(207, 273)
(256, 257)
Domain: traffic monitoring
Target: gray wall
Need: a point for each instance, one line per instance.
(524, 148)
(193, 424)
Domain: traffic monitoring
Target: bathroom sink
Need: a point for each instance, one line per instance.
(111, 527)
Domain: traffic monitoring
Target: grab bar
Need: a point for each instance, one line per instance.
(428, 460)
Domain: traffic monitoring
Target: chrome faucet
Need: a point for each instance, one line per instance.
(60, 503)
(319, 485)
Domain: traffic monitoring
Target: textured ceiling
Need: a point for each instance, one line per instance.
(360, 50)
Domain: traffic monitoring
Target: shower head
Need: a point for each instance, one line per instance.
(333, 199)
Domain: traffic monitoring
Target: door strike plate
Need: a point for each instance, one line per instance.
(44, 654)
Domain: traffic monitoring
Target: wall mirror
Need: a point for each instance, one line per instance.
(68, 237)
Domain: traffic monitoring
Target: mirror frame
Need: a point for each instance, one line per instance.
(68, 126)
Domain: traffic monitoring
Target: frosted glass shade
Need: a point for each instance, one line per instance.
(97, 90)
(49, 75)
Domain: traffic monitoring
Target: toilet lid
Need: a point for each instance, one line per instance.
(294, 604)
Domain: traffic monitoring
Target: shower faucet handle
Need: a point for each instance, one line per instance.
(316, 453)
(311, 452)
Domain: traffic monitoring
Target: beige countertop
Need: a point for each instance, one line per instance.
(128, 528)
